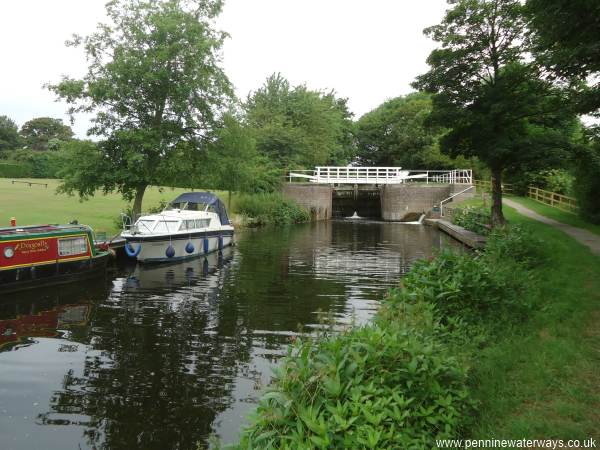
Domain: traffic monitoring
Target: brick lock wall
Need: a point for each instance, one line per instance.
(397, 200)
(314, 197)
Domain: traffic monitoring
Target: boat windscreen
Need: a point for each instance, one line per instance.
(202, 199)
(145, 226)
(188, 206)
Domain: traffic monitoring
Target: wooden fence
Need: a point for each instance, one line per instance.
(486, 186)
(559, 201)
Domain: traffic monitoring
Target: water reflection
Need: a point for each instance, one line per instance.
(162, 356)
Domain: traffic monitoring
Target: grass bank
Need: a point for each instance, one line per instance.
(502, 345)
(541, 379)
(38, 204)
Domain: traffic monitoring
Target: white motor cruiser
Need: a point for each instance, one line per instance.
(193, 224)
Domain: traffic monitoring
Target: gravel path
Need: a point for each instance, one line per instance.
(587, 238)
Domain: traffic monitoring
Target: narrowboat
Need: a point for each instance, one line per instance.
(194, 224)
(42, 255)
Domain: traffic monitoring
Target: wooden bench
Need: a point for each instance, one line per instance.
(30, 183)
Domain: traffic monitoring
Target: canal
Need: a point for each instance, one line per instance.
(162, 357)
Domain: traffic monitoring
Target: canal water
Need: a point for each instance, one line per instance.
(163, 357)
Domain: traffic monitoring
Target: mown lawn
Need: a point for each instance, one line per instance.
(39, 205)
(542, 380)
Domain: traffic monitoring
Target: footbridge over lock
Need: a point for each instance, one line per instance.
(389, 193)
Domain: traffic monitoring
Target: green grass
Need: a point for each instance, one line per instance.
(557, 214)
(543, 379)
(540, 208)
(39, 205)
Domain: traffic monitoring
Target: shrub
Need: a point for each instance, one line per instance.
(555, 180)
(559, 181)
(30, 164)
(475, 219)
(15, 170)
(271, 208)
(386, 385)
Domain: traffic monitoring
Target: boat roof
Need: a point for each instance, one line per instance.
(41, 229)
(207, 198)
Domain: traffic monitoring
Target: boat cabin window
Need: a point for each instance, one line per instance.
(187, 225)
(166, 226)
(72, 246)
(202, 223)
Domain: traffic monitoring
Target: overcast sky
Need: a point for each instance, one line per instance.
(365, 51)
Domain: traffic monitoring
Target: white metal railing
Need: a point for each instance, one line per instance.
(380, 175)
(451, 197)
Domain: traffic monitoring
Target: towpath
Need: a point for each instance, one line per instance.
(587, 238)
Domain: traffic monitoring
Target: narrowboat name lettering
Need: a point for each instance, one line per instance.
(28, 247)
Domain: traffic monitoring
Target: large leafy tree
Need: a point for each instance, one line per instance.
(496, 106)
(566, 40)
(9, 134)
(38, 132)
(565, 36)
(395, 134)
(298, 127)
(235, 165)
(156, 86)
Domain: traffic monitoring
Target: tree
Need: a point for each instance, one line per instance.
(295, 126)
(83, 167)
(494, 104)
(395, 134)
(9, 134)
(234, 163)
(156, 86)
(565, 40)
(38, 132)
(587, 181)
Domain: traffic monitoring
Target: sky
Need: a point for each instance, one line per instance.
(367, 52)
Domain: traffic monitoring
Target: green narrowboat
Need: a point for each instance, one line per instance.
(42, 255)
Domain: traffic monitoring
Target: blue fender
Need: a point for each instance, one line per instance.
(189, 247)
(205, 243)
(131, 252)
(220, 242)
(170, 252)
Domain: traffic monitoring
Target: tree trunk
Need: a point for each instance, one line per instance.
(497, 216)
(229, 200)
(137, 201)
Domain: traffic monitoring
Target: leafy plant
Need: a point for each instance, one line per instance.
(475, 219)
(473, 288)
(515, 243)
(387, 385)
